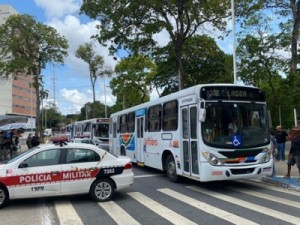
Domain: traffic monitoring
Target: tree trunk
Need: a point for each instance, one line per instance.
(296, 11)
(180, 68)
(39, 127)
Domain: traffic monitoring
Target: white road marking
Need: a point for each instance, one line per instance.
(148, 175)
(269, 197)
(66, 213)
(248, 205)
(207, 208)
(161, 210)
(270, 187)
(120, 216)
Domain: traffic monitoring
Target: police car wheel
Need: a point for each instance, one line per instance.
(102, 190)
(3, 196)
(171, 169)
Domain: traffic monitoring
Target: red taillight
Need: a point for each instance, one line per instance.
(128, 166)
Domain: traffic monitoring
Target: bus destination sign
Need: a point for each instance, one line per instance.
(232, 93)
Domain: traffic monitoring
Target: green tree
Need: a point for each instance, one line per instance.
(26, 46)
(203, 60)
(53, 118)
(93, 110)
(132, 25)
(289, 11)
(261, 63)
(132, 86)
(95, 62)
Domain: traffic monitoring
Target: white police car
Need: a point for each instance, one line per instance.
(84, 140)
(64, 169)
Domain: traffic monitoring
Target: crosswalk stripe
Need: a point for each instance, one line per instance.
(207, 208)
(274, 188)
(249, 205)
(119, 215)
(66, 213)
(161, 210)
(268, 197)
(148, 175)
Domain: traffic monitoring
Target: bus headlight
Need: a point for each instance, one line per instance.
(212, 159)
(267, 156)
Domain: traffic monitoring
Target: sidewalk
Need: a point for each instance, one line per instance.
(280, 172)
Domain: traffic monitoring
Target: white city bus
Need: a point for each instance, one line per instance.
(96, 129)
(186, 133)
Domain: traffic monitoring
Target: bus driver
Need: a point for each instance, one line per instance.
(233, 126)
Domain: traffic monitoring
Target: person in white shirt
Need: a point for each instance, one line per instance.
(233, 126)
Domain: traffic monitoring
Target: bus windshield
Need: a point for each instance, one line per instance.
(235, 125)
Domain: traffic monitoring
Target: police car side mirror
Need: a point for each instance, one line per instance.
(202, 114)
(23, 165)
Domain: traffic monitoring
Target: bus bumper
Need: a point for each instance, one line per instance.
(255, 171)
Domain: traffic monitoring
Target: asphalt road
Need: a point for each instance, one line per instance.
(153, 199)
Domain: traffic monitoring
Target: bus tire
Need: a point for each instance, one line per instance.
(171, 169)
(123, 152)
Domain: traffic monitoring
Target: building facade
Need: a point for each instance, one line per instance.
(17, 97)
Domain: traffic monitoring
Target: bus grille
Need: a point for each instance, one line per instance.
(242, 171)
(241, 153)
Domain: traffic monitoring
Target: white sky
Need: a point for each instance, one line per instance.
(69, 85)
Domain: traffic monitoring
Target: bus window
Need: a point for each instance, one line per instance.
(250, 127)
(185, 126)
(154, 118)
(131, 122)
(123, 124)
(170, 116)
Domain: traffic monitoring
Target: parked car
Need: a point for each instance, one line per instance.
(64, 168)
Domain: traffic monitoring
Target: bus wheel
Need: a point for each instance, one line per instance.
(123, 152)
(171, 169)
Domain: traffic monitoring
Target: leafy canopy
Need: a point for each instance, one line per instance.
(26, 46)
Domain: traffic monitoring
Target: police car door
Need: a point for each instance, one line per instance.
(38, 175)
(80, 168)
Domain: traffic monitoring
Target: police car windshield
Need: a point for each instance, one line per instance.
(21, 155)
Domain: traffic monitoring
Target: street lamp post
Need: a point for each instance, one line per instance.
(234, 47)
(46, 117)
(105, 99)
(31, 100)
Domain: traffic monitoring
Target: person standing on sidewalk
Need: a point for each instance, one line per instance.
(35, 140)
(28, 141)
(294, 154)
(280, 136)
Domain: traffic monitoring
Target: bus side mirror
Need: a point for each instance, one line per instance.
(202, 114)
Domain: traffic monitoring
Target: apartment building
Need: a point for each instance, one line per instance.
(16, 95)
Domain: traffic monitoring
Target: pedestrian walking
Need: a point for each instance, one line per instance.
(35, 140)
(28, 141)
(294, 154)
(280, 136)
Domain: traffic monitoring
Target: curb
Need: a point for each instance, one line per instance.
(287, 183)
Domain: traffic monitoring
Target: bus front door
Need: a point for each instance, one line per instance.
(140, 140)
(189, 140)
(115, 144)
